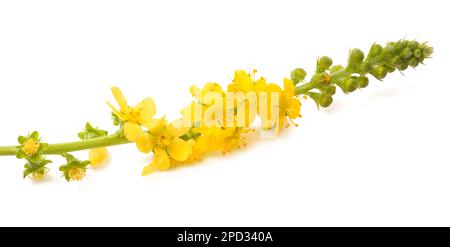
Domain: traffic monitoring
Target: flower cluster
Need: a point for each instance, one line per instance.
(380, 61)
(217, 119)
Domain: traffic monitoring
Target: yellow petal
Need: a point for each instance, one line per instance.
(243, 80)
(161, 159)
(179, 149)
(289, 88)
(115, 111)
(132, 131)
(145, 143)
(293, 110)
(156, 126)
(260, 84)
(97, 156)
(146, 108)
(148, 169)
(177, 128)
(120, 99)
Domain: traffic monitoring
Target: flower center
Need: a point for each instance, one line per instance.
(77, 173)
(30, 147)
(134, 114)
(163, 140)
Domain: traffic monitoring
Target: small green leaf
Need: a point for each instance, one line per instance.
(20, 154)
(34, 135)
(90, 132)
(21, 139)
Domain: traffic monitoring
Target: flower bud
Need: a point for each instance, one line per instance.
(417, 53)
(388, 52)
(413, 44)
(379, 72)
(362, 81)
(325, 100)
(400, 45)
(406, 54)
(355, 59)
(350, 84)
(330, 90)
(427, 51)
(389, 68)
(402, 66)
(413, 62)
(323, 63)
(375, 50)
(298, 75)
(396, 61)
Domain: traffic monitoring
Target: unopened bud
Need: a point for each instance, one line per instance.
(350, 84)
(325, 100)
(324, 63)
(413, 62)
(355, 59)
(362, 81)
(298, 75)
(406, 54)
(375, 50)
(388, 51)
(413, 44)
(417, 53)
(330, 90)
(379, 72)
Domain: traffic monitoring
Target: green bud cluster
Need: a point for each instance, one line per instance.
(380, 61)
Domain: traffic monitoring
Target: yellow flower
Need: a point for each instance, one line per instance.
(210, 87)
(209, 107)
(98, 156)
(165, 142)
(225, 139)
(30, 147)
(199, 148)
(77, 173)
(246, 83)
(133, 117)
(288, 105)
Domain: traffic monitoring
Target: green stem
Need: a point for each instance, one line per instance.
(306, 87)
(111, 140)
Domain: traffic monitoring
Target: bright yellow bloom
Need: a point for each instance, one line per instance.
(199, 148)
(77, 173)
(165, 142)
(30, 147)
(226, 139)
(133, 117)
(209, 108)
(246, 83)
(288, 105)
(98, 156)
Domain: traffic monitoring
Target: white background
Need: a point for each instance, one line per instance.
(377, 157)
